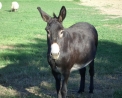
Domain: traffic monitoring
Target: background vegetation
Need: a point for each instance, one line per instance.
(24, 71)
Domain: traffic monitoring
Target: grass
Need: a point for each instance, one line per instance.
(118, 94)
(24, 71)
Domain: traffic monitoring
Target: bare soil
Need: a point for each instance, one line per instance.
(109, 7)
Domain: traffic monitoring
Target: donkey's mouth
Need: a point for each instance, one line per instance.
(55, 51)
(55, 55)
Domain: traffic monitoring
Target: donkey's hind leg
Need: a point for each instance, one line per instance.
(91, 72)
(82, 81)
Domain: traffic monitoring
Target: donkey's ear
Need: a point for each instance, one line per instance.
(62, 14)
(44, 15)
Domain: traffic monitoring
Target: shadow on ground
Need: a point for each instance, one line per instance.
(28, 67)
(29, 73)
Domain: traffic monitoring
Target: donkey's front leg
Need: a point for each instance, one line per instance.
(57, 77)
(64, 84)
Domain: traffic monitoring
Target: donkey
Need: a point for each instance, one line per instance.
(69, 49)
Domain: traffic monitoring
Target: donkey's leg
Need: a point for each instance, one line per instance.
(64, 84)
(91, 72)
(82, 81)
(57, 77)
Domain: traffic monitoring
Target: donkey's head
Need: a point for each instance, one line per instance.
(54, 30)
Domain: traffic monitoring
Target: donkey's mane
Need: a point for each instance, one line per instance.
(54, 15)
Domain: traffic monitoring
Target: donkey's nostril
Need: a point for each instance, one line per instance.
(54, 55)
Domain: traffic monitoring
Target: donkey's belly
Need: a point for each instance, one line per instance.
(79, 66)
(75, 67)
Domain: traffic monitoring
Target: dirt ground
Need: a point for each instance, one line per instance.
(110, 7)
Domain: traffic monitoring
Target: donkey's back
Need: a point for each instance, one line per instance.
(83, 41)
(83, 27)
(86, 30)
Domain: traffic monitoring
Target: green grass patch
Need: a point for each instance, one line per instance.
(118, 94)
(76, 0)
(24, 71)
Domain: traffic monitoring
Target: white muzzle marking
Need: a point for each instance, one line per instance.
(55, 51)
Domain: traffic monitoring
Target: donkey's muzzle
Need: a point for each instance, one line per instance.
(55, 55)
(55, 51)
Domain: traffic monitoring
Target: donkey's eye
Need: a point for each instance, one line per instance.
(61, 33)
(48, 33)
